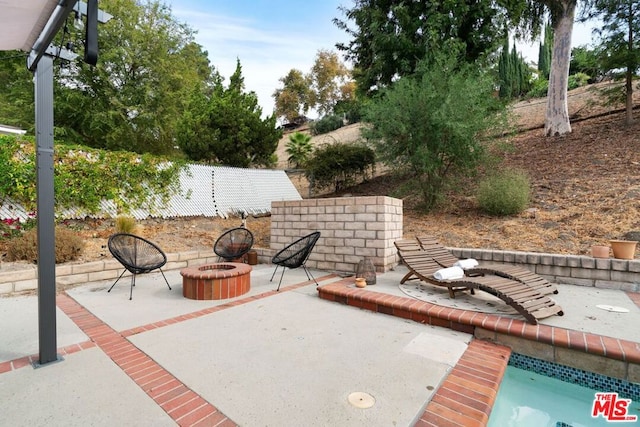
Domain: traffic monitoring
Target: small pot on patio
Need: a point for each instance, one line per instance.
(361, 282)
(623, 249)
(600, 251)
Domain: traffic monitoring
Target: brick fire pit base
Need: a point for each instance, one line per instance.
(216, 281)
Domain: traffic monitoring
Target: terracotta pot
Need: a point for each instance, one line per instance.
(361, 282)
(600, 251)
(623, 249)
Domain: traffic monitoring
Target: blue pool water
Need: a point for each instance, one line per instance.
(527, 398)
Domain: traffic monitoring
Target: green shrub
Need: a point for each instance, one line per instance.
(434, 124)
(539, 88)
(327, 124)
(299, 148)
(350, 109)
(125, 224)
(84, 177)
(69, 246)
(578, 80)
(505, 193)
(339, 165)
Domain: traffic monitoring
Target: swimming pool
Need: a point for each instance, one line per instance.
(529, 398)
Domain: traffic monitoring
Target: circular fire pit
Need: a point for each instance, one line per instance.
(216, 281)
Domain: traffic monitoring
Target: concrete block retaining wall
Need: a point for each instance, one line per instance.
(24, 280)
(568, 269)
(351, 229)
(578, 270)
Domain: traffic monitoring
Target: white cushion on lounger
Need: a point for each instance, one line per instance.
(466, 263)
(450, 273)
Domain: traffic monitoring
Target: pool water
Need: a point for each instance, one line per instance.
(528, 399)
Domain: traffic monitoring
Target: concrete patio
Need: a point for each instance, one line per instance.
(264, 358)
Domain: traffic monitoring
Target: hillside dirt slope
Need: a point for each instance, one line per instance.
(586, 190)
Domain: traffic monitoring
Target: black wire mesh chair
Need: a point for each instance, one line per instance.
(295, 255)
(233, 244)
(137, 255)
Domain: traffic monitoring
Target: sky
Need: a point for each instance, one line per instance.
(271, 37)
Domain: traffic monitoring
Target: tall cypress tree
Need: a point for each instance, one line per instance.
(544, 52)
(504, 71)
(513, 73)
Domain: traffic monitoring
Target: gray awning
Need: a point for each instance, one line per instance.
(22, 21)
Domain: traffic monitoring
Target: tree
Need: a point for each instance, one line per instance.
(621, 24)
(295, 98)
(504, 72)
(556, 122)
(433, 124)
(226, 127)
(133, 98)
(588, 61)
(528, 19)
(544, 52)
(513, 72)
(327, 84)
(17, 106)
(299, 149)
(390, 37)
(330, 81)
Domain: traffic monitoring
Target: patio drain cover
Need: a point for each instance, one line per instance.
(612, 308)
(361, 400)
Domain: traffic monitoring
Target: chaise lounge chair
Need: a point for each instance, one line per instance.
(529, 302)
(445, 258)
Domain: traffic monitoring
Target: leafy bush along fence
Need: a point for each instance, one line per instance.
(104, 184)
(85, 177)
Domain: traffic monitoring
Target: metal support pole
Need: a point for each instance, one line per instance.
(45, 206)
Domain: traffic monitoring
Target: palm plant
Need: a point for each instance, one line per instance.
(298, 148)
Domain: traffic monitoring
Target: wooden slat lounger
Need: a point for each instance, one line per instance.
(445, 258)
(529, 302)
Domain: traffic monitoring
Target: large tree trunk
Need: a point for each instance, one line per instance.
(557, 116)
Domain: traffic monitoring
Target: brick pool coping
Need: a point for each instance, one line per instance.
(468, 393)
(468, 321)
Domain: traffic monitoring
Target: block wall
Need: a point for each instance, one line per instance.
(351, 229)
(577, 270)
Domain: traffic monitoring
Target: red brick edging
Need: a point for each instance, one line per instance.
(467, 321)
(467, 395)
(182, 404)
(12, 365)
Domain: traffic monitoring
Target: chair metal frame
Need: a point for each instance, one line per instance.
(221, 246)
(295, 255)
(131, 257)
